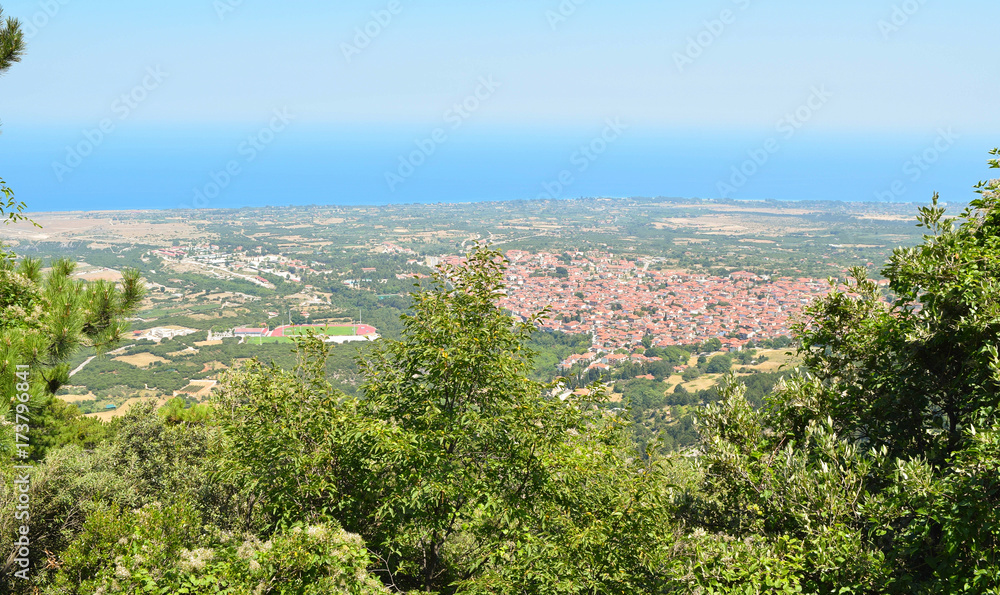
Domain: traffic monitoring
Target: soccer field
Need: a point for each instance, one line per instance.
(330, 331)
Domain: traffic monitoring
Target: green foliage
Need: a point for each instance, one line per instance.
(720, 364)
(45, 320)
(713, 344)
(457, 470)
(71, 427)
(145, 461)
(11, 43)
(161, 549)
(10, 208)
(690, 374)
(550, 348)
(777, 343)
(177, 411)
(810, 490)
(875, 472)
(917, 373)
(746, 356)
(643, 394)
(671, 354)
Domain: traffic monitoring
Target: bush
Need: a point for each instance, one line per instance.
(690, 374)
(166, 549)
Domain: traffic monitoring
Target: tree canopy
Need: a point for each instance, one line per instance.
(11, 49)
(877, 469)
(11, 42)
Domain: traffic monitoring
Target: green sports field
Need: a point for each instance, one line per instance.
(330, 331)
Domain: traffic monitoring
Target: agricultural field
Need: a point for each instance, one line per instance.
(141, 360)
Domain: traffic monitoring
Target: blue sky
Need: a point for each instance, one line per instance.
(891, 72)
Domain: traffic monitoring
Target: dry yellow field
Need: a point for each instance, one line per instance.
(99, 227)
(141, 360)
(674, 381)
(703, 382)
(198, 388)
(776, 358)
(100, 275)
(78, 398)
(123, 409)
(214, 366)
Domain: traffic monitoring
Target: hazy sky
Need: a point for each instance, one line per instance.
(123, 103)
(890, 65)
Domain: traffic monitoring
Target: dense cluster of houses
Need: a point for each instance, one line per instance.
(620, 301)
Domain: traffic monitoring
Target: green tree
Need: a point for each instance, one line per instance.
(146, 461)
(690, 374)
(11, 42)
(720, 364)
(44, 320)
(11, 49)
(457, 469)
(875, 472)
(10, 209)
(713, 344)
(917, 373)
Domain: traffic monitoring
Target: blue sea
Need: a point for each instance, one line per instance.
(59, 168)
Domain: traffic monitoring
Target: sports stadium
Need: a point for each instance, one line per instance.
(331, 333)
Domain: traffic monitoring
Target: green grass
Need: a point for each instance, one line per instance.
(330, 331)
